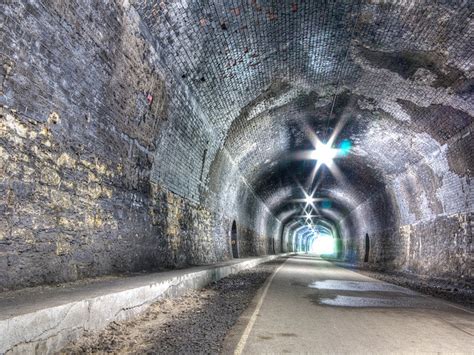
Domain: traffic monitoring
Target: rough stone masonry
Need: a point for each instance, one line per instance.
(134, 133)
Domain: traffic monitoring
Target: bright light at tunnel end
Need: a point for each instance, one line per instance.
(323, 245)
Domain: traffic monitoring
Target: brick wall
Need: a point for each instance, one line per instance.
(422, 224)
(90, 116)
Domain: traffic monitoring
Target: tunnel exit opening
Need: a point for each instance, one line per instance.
(323, 245)
(233, 240)
(367, 248)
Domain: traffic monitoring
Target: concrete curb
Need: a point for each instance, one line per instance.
(50, 329)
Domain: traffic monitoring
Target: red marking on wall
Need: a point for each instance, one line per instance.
(203, 21)
(235, 11)
(256, 5)
(294, 7)
(149, 99)
(272, 16)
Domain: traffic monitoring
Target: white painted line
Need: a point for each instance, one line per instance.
(243, 340)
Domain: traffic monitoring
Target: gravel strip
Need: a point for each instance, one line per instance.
(194, 323)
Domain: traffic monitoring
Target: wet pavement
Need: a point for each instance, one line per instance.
(314, 306)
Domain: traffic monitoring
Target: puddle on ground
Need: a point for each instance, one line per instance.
(363, 294)
(362, 286)
(299, 284)
(358, 302)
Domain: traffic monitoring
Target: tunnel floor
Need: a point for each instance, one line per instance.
(194, 323)
(301, 304)
(314, 306)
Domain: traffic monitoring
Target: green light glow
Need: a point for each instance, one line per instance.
(345, 147)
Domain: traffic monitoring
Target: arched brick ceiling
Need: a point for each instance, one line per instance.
(266, 72)
(230, 52)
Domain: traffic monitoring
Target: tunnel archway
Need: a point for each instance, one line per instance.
(234, 240)
(135, 134)
(184, 132)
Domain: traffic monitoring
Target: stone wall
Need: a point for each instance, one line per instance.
(423, 223)
(85, 105)
(77, 135)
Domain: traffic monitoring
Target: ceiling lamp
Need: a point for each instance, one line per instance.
(324, 154)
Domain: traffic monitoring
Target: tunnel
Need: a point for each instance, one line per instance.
(140, 137)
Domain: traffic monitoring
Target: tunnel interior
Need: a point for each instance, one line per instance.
(138, 135)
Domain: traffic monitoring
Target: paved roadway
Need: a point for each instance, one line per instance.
(313, 306)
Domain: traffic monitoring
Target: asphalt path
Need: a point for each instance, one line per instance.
(309, 305)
